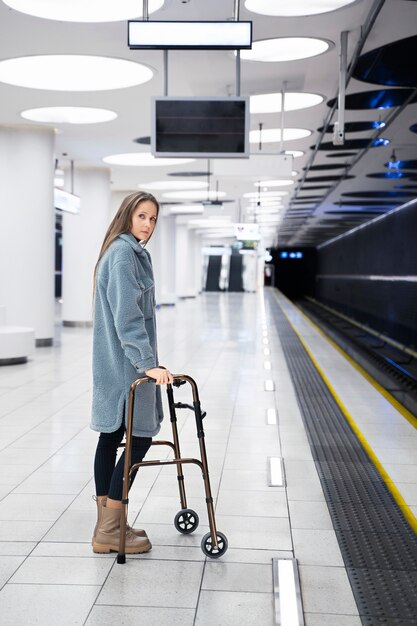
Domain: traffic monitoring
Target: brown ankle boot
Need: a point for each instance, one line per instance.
(139, 532)
(107, 535)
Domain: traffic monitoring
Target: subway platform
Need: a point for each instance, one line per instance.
(278, 394)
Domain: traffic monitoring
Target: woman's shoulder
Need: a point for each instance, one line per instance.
(118, 251)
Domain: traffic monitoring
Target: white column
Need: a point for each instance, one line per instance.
(83, 235)
(198, 260)
(27, 228)
(185, 260)
(163, 248)
(156, 250)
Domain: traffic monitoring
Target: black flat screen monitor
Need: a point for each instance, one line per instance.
(200, 127)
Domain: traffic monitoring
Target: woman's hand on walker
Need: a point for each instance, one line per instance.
(161, 375)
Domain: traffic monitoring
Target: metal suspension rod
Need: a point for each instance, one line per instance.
(236, 19)
(145, 11)
(366, 29)
(165, 72)
(281, 148)
(339, 128)
(236, 10)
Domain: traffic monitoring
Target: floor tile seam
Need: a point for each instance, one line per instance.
(53, 388)
(6, 582)
(37, 425)
(40, 584)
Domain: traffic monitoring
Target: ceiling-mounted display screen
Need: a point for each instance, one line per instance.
(229, 35)
(200, 127)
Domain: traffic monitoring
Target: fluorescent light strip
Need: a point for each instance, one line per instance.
(275, 472)
(267, 365)
(265, 341)
(287, 593)
(159, 34)
(271, 416)
(267, 352)
(269, 385)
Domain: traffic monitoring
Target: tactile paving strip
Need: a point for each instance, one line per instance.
(378, 546)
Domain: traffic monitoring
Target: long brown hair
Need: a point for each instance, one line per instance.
(122, 221)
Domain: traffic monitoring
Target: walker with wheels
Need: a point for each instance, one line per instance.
(214, 543)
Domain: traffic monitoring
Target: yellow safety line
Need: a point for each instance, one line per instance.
(408, 514)
(395, 403)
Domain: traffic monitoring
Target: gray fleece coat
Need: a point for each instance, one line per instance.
(124, 339)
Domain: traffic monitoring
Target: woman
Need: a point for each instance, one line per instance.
(124, 349)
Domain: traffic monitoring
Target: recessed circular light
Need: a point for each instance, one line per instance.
(195, 195)
(174, 184)
(271, 135)
(284, 49)
(144, 159)
(69, 115)
(283, 8)
(283, 182)
(72, 72)
(81, 11)
(293, 101)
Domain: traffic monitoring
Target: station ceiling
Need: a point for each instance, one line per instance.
(335, 187)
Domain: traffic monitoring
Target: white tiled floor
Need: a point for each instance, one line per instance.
(48, 572)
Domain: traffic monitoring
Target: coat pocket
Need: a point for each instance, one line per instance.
(147, 299)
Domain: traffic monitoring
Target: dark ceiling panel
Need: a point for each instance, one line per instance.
(354, 144)
(402, 165)
(355, 127)
(392, 64)
(304, 198)
(379, 203)
(325, 166)
(313, 187)
(325, 179)
(146, 141)
(376, 99)
(391, 174)
(377, 194)
(341, 155)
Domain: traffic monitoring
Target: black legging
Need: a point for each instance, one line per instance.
(108, 478)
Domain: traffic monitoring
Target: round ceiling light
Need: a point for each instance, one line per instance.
(271, 135)
(69, 115)
(71, 72)
(283, 8)
(284, 49)
(161, 185)
(143, 159)
(195, 195)
(283, 182)
(81, 11)
(293, 101)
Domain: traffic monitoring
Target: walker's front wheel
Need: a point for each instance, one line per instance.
(209, 548)
(186, 521)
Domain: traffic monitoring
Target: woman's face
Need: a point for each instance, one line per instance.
(144, 219)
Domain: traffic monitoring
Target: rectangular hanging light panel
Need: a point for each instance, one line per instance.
(65, 201)
(229, 35)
